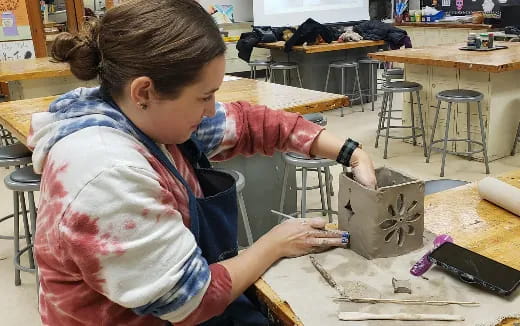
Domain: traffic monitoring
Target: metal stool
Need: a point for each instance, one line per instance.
(16, 155)
(346, 65)
(392, 74)
(22, 181)
(305, 164)
(517, 139)
(6, 137)
(386, 113)
(284, 67)
(259, 63)
(240, 181)
(459, 96)
(372, 78)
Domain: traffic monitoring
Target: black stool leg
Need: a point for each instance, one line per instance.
(421, 122)
(389, 115)
(446, 135)
(432, 137)
(16, 235)
(483, 133)
(412, 116)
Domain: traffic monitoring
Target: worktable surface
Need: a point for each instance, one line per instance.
(325, 47)
(32, 69)
(445, 25)
(16, 115)
(450, 56)
(474, 223)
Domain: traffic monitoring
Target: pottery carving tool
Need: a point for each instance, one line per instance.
(327, 277)
(350, 316)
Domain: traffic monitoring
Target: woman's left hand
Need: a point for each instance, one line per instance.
(363, 168)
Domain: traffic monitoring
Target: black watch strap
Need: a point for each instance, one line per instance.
(346, 152)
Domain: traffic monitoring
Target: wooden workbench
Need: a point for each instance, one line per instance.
(475, 224)
(445, 25)
(325, 47)
(32, 78)
(495, 74)
(16, 115)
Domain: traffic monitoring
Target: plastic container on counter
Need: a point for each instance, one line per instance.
(491, 40)
(484, 40)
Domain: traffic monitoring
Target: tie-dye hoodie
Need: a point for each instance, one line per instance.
(113, 243)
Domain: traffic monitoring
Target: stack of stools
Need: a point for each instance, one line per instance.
(305, 165)
(517, 139)
(386, 117)
(459, 96)
(20, 181)
(284, 67)
(342, 66)
(260, 63)
(373, 66)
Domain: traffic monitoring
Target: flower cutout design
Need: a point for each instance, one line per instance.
(402, 215)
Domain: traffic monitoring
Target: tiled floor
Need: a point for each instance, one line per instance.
(18, 305)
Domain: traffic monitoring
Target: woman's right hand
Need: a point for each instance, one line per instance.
(297, 237)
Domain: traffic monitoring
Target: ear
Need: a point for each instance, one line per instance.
(141, 90)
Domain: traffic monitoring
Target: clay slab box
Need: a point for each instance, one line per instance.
(385, 222)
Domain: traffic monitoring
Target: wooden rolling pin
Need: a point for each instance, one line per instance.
(501, 194)
(350, 316)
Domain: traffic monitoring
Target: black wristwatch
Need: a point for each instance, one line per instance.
(346, 151)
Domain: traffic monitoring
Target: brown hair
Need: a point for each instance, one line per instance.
(166, 40)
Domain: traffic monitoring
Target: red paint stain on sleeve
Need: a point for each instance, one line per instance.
(129, 225)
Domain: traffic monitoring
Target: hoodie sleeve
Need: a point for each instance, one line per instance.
(130, 244)
(240, 128)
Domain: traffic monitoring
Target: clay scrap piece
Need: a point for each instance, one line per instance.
(385, 222)
(402, 286)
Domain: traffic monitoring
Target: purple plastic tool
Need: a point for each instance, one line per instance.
(424, 264)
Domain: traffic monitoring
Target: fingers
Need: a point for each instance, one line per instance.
(327, 242)
(328, 234)
(315, 222)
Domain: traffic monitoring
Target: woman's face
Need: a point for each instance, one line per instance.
(173, 121)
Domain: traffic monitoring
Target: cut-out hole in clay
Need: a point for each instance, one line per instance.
(391, 210)
(400, 204)
(413, 218)
(412, 206)
(400, 237)
(388, 237)
(349, 211)
(387, 224)
(411, 229)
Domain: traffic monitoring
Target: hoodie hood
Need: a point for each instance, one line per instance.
(71, 112)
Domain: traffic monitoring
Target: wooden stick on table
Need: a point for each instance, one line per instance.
(399, 316)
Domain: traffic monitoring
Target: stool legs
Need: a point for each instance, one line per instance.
(28, 239)
(322, 195)
(483, 133)
(432, 137)
(328, 191)
(304, 193)
(342, 87)
(284, 188)
(284, 76)
(389, 115)
(359, 89)
(299, 77)
(446, 134)
(16, 234)
(381, 118)
(32, 212)
(516, 140)
(245, 218)
(421, 122)
(327, 80)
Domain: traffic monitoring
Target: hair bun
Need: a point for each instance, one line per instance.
(80, 51)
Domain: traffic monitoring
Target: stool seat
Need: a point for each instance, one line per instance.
(394, 71)
(460, 95)
(369, 61)
(284, 65)
(261, 63)
(23, 179)
(343, 64)
(240, 180)
(401, 86)
(317, 118)
(307, 162)
(14, 151)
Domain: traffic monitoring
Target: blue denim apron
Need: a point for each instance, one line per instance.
(213, 222)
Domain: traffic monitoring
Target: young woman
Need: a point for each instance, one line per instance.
(134, 228)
